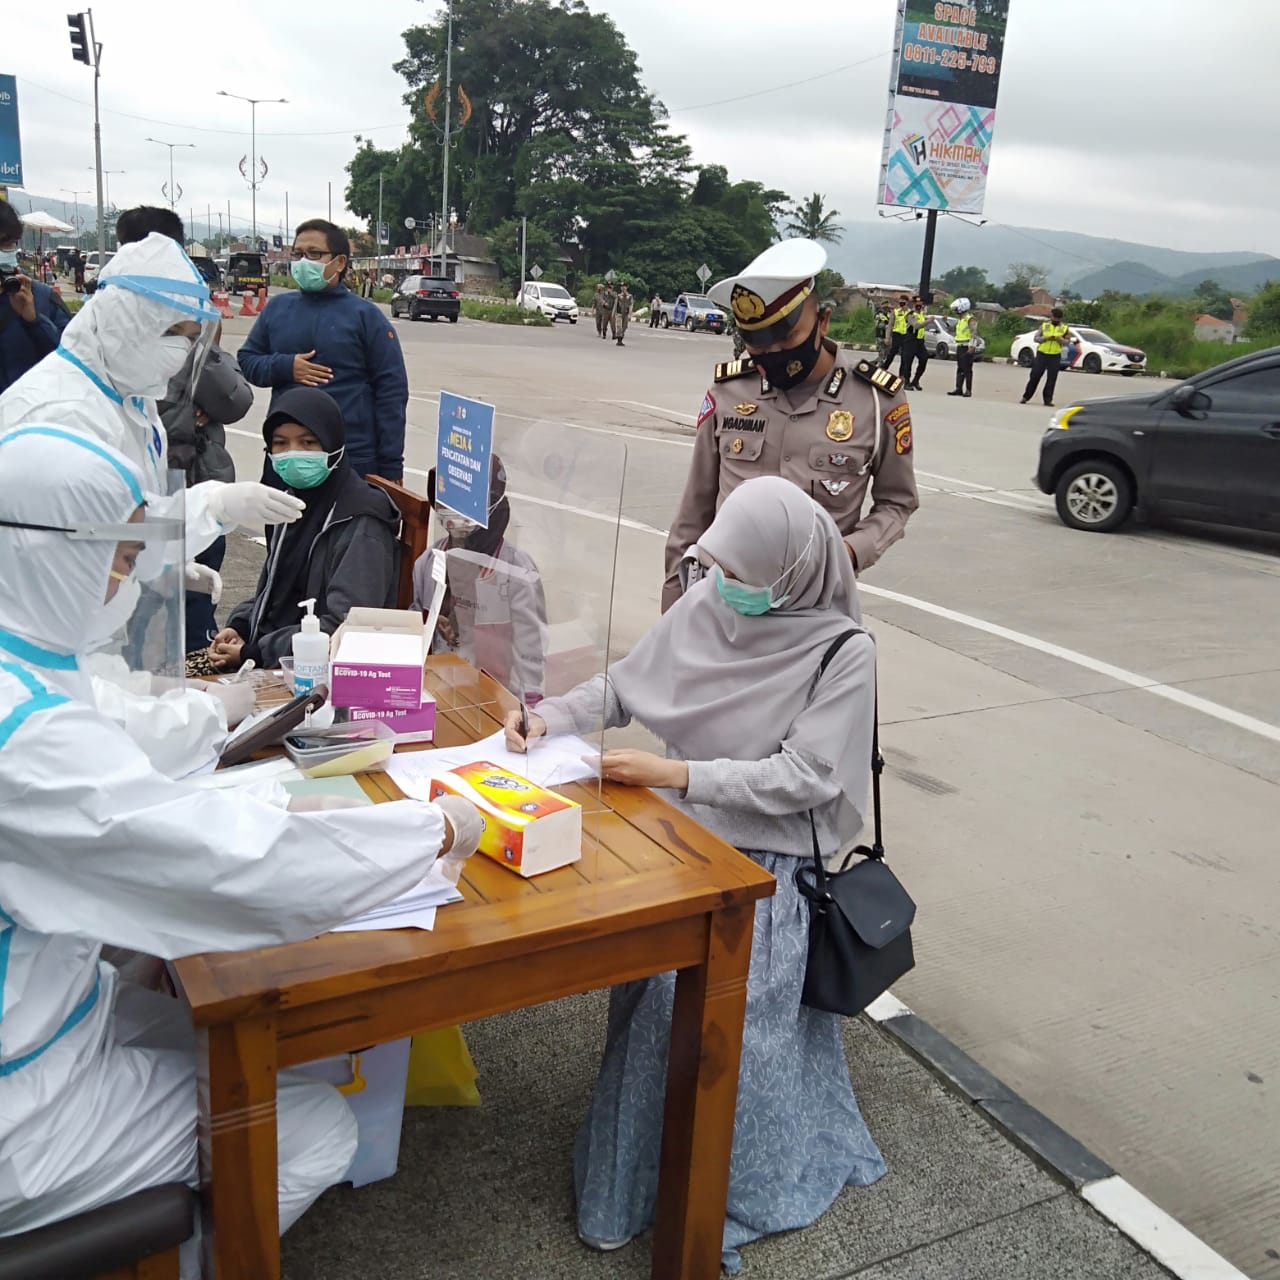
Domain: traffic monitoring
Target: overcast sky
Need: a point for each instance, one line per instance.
(1150, 120)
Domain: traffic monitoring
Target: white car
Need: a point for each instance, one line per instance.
(1087, 349)
(91, 267)
(553, 300)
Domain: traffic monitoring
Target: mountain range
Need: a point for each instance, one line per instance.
(889, 251)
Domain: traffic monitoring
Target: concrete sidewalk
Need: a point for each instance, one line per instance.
(487, 1192)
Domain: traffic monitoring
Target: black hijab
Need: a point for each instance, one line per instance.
(343, 494)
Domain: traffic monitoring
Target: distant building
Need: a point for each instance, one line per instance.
(469, 262)
(1211, 329)
(865, 294)
(1042, 298)
(1035, 310)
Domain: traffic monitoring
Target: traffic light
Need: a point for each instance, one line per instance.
(79, 39)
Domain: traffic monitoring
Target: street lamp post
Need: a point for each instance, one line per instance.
(106, 179)
(173, 196)
(253, 149)
(75, 196)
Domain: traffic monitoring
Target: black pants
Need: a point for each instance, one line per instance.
(895, 348)
(201, 623)
(914, 353)
(1048, 366)
(964, 368)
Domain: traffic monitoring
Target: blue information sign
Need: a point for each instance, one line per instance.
(10, 135)
(464, 445)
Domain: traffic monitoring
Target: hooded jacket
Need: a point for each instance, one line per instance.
(342, 553)
(96, 847)
(355, 339)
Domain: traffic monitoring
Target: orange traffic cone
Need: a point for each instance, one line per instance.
(223, 303)
(262, 300)
(246, 304)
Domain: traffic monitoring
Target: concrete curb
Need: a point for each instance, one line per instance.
(1181, 1253)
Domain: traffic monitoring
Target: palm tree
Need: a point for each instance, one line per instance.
(811, 220)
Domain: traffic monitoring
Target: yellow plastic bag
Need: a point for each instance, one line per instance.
(441, 1073)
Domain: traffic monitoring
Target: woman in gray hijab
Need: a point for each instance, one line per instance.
(728, 680)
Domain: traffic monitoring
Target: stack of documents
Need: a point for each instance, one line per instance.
(414, 909)
(550, 762)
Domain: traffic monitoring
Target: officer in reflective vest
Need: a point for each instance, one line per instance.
(915, 355)
(898, 332)
(961, 309)
(1048, 357)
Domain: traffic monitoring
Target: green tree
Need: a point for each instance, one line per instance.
(812, 219)
(966, 282)
(541, 250)
(1030, 274)
(1211, 298)
(1264, 313)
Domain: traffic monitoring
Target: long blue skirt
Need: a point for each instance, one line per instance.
(798, 1137)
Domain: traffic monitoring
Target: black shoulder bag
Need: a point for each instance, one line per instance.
(860, 916)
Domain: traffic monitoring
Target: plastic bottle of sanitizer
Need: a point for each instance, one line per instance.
(310, 652)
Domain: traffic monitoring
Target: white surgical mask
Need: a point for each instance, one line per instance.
(8, 257)
(146, 370)
(109, 622)
(459, 528)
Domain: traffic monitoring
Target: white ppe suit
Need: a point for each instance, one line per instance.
(103, 378)
(97, 1077)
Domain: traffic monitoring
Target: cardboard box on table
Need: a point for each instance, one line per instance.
(376, 670)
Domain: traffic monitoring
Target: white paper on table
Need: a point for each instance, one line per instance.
(413, 909)
(552, 762)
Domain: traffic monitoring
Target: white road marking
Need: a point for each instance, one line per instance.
(1215, 710)
(1119, 674)
(1165, 1238)
(656, 408)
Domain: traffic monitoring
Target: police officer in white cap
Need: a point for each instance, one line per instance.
(798, 407)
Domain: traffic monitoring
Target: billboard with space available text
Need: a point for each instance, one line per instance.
(942, 104)
(10, 135)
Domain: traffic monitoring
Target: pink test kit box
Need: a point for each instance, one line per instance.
(378, 661)
(409, 726)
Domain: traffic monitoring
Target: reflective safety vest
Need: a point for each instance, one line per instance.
(916, 322)
(964, 329)
(1053, 335)
(899, 320)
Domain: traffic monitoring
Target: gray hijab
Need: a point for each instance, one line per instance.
(715, 684)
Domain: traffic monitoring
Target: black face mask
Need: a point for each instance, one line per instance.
(791, 366)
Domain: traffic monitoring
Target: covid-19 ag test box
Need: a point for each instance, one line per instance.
(379, 656)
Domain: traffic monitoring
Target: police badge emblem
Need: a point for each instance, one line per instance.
(840, 425)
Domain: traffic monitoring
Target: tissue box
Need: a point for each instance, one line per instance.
(526, 828)
(378, 660)
(409, 726)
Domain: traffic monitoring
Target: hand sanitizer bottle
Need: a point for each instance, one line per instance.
(310, 652)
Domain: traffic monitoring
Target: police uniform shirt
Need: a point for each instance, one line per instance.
(825, 443)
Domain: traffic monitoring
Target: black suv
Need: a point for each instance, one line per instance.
(1209, 449)
(432, 296)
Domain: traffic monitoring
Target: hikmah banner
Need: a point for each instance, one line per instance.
(942, 104)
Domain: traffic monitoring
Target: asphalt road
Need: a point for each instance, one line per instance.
(1083, 737)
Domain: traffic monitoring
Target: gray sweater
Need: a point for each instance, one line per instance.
(750, 804)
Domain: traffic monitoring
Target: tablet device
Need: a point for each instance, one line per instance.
(271, 731)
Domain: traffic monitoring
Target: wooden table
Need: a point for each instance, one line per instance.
(655, 891)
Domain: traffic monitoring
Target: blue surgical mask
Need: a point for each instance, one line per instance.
(751, 601)
(8, 257)
(309, 275)
(302, 469)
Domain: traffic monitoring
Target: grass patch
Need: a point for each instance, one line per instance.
(503, 313)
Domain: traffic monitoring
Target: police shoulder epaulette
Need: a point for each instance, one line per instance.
(734, 368)
(881, 379)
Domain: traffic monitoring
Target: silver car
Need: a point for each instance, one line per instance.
(940, 338)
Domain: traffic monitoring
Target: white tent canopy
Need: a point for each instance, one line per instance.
(41, 221)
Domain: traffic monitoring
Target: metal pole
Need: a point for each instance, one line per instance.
(253, 168)
(229, 235)
(331, 201)
(377, 231)
(926, 265)
(287, 223)
(524, 248)
(97, 142)
(448, 97)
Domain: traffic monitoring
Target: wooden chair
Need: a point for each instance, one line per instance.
(415, 513)
(136, 1238)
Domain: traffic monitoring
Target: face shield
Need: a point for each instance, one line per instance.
(137, 635)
